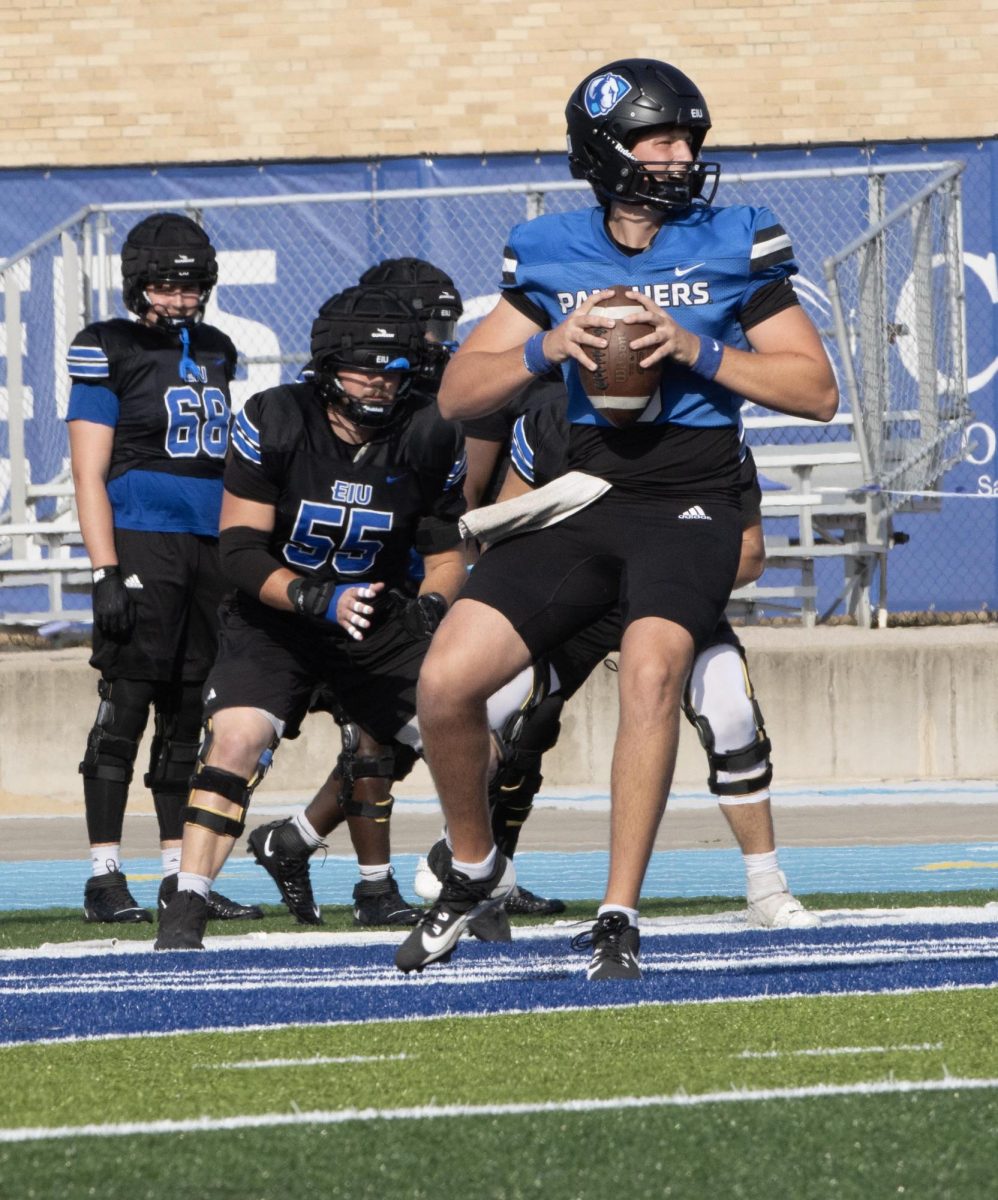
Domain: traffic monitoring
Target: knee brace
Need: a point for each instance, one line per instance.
(225, 783)
(175, 743)
(113, 742)
(352, 766)
(521, 744)
(731, 722)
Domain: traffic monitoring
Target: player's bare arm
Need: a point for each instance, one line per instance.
(90, 446)
(489, 368)
(445, 574)
(786, 370)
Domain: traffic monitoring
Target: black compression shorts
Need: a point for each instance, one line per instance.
(276, 661)
(653, 558)
(176, 584)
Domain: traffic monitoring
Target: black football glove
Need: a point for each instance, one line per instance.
(114, 609)
(422, 615)
(315, 599)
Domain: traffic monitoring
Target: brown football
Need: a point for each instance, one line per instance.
(620, 388)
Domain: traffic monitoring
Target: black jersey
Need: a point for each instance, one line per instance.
(347, 512)
(173, 402)
(545, 444)
(167, 399)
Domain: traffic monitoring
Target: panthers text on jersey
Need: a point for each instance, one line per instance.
(343, 511)
(717, 271)
(167, 401)
(704, 267)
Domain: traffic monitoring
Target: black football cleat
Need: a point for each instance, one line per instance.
(430, 872)
(379, 902)
(464, 904)
(283, 853)
(616, 947)
(182, 922)
(220, 908)
(106, 898)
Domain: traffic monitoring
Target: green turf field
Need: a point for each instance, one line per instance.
(708, 1128)
(856, 1095)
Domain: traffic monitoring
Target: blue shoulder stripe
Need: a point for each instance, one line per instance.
(87, 362)
(457, 471)
(244, 447)
(521, 451)
(248, 429)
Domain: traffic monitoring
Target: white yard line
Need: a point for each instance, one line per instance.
(433, 1112)
(830, 1051)
(256, 1064)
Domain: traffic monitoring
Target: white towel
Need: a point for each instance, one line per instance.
(547, 505)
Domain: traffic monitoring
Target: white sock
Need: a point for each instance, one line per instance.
(171, 861)
(762, 873)
(374, 874)
(305, 828)
(105, 859)
(187, 881)
(480, 870)
(630, 913)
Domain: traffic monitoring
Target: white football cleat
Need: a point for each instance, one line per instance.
(771, 905)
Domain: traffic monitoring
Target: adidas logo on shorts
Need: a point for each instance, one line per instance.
(695, 513)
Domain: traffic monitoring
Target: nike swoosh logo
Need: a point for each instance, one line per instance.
(395, 478)
(681, 271)
(434, 942)
(267, 852)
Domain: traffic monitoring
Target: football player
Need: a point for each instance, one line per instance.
(330, 485)
(663, 543)
(283, 847)
(719, 700)
(148, 430)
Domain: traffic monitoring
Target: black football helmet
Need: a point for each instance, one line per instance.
(167, 248)
(434, 300)
(614, 106)
(365, 329)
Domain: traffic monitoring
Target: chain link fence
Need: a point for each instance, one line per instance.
(280, 257)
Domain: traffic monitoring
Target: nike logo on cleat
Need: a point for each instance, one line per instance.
(267, 852)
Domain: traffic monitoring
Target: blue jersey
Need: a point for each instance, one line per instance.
(704, 267)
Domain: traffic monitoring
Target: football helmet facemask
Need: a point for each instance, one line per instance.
(167, 248)
(365, 329)
(434, 300)
(614, 106)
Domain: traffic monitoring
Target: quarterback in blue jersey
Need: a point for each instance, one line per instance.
(148, 430)
(663, 541)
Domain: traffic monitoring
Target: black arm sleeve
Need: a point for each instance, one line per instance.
(770, 299)
(245, 558)
(523, 304)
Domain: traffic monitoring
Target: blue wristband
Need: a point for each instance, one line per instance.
(335, 599)
(708, 361)
(533, 356)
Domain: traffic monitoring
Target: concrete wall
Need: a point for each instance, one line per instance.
(89, 82)
(840, 705)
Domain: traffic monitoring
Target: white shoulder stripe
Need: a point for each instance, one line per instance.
(781, 242)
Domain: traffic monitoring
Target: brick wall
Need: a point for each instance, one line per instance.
(86, 83)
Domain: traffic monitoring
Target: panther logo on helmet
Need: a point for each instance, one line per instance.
(602, 132)
(604, 92)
